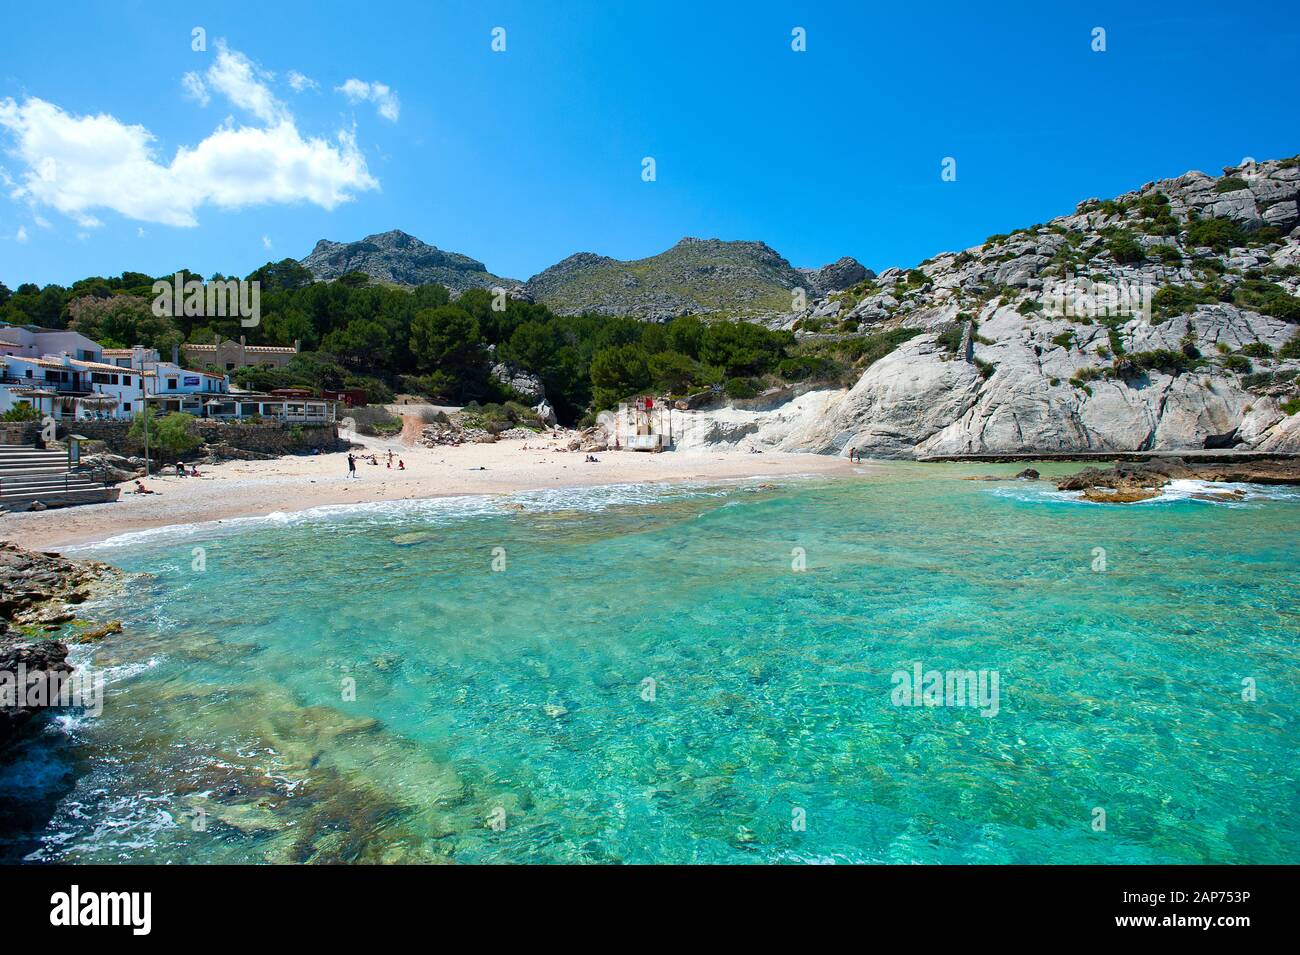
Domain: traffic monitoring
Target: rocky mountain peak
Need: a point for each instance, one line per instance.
(399, 258)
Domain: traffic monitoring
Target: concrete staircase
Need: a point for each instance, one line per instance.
(30, 474)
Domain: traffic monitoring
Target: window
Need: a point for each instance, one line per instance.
(126, 380)
(126, 406)
(230, 366)
(171, 384)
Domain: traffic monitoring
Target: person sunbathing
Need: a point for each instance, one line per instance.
(141, 489)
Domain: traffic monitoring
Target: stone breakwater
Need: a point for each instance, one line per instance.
(39, 597)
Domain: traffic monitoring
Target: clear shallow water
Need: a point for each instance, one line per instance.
(519, 694)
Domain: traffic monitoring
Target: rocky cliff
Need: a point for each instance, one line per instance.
(1165, 319)
(401, 259)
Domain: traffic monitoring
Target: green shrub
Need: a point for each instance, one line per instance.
(865, 352)
(740, 388)
(1257, 350)
(1292, 348)
(1124, 248)
(950, 340)
(1180, 299)
(1231, 184)
(374, 421)
(1268, 298)
(1064, 340)
(168, 434)
(803, 367)
(1291, 406)
(1238, 363)
(1218, 234)
(1162, 359)
(23, 411)
(1090, 373)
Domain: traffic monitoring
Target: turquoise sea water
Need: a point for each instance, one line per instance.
(505, 716)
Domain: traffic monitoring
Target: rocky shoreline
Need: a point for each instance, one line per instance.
(1126, 483)
(39, 597)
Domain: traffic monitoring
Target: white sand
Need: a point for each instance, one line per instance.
(254, 488)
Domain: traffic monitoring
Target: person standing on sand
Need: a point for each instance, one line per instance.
(352, 465)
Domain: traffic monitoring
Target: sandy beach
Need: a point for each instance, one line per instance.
(253, 488)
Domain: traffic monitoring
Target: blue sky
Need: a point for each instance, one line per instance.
(523, 157)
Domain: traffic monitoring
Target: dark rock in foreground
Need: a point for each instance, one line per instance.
(36, 590)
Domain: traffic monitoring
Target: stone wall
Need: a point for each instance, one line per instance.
(20, 432)
(263, 438)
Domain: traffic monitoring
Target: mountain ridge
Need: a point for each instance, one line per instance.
(738, 278)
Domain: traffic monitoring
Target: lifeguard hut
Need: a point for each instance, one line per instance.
(644, 424)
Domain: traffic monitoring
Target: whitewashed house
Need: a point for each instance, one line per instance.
(67, 388)
(88, 383)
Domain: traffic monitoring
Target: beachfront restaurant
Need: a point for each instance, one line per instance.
(250, 406)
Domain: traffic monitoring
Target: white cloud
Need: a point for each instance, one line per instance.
(76, 164)
(241, 81)
(299, 82)
(384, 98)
(21, 234)
(266, 242)
(140, 232)
(195, 88)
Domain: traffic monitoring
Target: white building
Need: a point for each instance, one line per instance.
(32, 341)
(67, 386)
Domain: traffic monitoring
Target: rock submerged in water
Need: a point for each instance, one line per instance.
(99, 633)
(1028, 474)
(1129, 483)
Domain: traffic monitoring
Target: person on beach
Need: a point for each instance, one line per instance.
(352, 465)
(141, 489)
(401, 466)
(180, 469)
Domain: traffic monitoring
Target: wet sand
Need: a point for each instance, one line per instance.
(254, 488)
